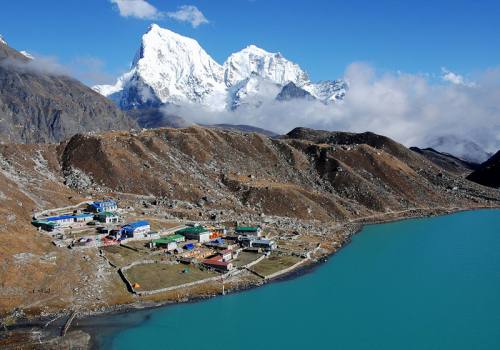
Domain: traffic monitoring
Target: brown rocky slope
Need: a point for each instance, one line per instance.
(307, 177)
(336, 178)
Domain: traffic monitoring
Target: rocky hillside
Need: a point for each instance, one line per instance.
(307, 180)
(488, 173)
(306, 175)
(447, 161)
(39, 105)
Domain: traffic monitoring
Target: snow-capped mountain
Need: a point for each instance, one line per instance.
(168, 68)
(267, 65)
(328, 90)
(291, 91)
(172, 69)
(252, 92)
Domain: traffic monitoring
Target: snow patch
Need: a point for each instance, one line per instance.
(27, 55)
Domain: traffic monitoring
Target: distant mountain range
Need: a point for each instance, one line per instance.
(169, 68)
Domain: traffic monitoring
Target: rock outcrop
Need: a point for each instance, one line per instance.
(488, 173)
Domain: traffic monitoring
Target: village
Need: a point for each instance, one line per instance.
(154, 256)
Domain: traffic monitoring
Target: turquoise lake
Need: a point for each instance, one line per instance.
(430, 283)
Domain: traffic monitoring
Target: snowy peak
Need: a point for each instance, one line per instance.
(252, 92)
(292, 92)
(268, 65)
(176, 67)
(2, 41)
(327, 91)
(27, 55)
(169, 68)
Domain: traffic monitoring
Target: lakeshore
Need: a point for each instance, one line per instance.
(302, 269)
(441, 294)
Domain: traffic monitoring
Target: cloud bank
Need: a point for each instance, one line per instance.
(87, 69)
(144, 10)
(407, 107)
(44, 65)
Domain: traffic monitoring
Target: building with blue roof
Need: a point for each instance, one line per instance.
(135, 228)
(65, 220)
(84, 217)
(107, 205)
(61, 220)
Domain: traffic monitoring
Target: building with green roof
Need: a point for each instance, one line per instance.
(199, 233)
(168, 242)
(107, 217)
(45, 225)
(168, 239)
(249, 231)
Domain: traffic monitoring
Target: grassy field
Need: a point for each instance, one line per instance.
(274, 264)
(121, 256)
(156, 276)
(139, 245)
(245, 258)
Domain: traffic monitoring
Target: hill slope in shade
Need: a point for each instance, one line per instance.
(41, 106)
(447, 161)
(488, 173)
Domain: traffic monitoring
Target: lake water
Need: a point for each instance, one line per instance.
(430, 283)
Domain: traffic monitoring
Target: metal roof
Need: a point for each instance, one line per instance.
(83, 215)
(196, 230)
(43, 222)
(136, 224)
(106, 213)
(104, 203)
(61, 217)
(168, 239)
(247, 228)
(216, 262)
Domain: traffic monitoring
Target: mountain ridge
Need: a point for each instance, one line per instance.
(40, 106)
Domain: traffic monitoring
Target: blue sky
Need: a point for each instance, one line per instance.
(323, 36)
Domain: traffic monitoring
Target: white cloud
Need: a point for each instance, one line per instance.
(90, 70)
(454, 78)
(406, 107)
(87, 69)
(188, 13)
(136, 8)
(144, 10)
(38, 65)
